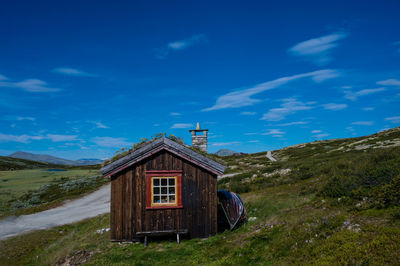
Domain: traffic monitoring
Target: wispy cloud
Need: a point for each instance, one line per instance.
(348, 94)
(368, 109)
(72, 72)
(273, 132)
(389, 82)
(57, 138)
(334, 106)
(224, 143)
(248, 113)
(253, 141)
(242, 98)
(320, 136)
(3, 77)
(318, 50)
(292, 124)
(28, 138)
(288, 107)
(18, 138)
(110, 142)
(363, 123)
(161, 53)
(175, 114)
(19, 118)
(393, 119)
(30, 85)
(98, 124)
(316, 131)
(182, 125)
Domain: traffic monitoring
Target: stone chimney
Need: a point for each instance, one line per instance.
(199, 138)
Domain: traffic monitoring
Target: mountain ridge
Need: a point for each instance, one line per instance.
(52, 159)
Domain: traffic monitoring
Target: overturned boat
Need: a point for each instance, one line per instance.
(231, 211)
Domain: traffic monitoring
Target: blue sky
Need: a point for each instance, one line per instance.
(81, 79)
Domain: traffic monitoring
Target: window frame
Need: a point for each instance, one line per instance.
(178, 189)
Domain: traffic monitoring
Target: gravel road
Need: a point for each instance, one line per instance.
(72, 211)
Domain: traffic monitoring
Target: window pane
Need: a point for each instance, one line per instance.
(163, 182)
(172, 199)
(156, 199)
(171, 190)
(163, 190)
(164, 199)
(156, 181)
(172, 181)
(156, 190)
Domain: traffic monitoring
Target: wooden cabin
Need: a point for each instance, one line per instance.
(163, 187)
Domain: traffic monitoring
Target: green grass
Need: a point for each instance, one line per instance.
(332, 207)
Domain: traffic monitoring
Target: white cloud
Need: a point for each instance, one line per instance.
(334, 106)
(31, 85)
(274, 132)
(3, 77)
(180, 45)
(389, 82)
(156, 125)
(393, 119)
(72, 72)
(320, 136)
(363, 123)
(175, 114)
(21, 118)
(250, 134)
(288, 107)
(242, 98)
(225, 143)
(248, 113)
(21, 138)
(354, 95)
(316, 131)
(318, 50)
(98, 124)
(57, 138)
(368, 108)
(27, 138)
(253, 141)
(182, 125)
(110, 142)
(292, 124)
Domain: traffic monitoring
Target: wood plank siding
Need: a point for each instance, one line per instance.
(129, 215)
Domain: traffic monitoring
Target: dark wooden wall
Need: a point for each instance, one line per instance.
(128, 200)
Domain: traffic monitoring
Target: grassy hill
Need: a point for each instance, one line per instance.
(10, 163)
(325, 202)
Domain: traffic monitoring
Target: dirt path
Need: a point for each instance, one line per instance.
(90, 205)
(227, 175)
(269, 156)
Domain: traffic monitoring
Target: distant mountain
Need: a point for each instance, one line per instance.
(227, 152)
(52, 159)
(89, 161)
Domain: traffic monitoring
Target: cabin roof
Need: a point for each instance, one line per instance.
(158, 145)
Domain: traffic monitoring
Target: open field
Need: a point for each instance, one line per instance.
(21, 190)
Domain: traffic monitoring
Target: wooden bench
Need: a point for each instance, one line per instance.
(162, 233)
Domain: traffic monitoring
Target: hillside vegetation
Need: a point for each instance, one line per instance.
(10, 164)
(322, 203)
